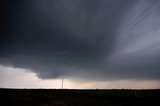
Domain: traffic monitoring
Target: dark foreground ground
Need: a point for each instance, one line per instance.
(55, 97)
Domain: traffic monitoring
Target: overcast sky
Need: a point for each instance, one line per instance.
(90, 43)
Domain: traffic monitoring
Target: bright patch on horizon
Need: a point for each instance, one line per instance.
(11, 77)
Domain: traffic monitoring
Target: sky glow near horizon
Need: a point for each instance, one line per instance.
(11, 77)
(102, 44)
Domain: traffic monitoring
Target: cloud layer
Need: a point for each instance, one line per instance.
(100, 40)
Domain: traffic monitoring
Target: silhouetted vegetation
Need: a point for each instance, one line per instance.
(74, 97)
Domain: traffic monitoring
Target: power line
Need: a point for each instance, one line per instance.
(131, 24)
(144, 13)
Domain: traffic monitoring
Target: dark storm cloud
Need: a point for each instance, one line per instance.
(74, 38)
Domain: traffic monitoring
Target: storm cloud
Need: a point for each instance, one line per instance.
(90, 39)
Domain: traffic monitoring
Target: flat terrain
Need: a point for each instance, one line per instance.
(74, 97)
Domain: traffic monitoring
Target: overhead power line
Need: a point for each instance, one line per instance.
(131, 24)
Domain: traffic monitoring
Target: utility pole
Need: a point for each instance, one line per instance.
(62, 83)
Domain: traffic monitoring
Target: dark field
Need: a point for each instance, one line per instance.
(65, 97)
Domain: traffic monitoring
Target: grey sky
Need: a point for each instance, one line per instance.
(84, 39)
